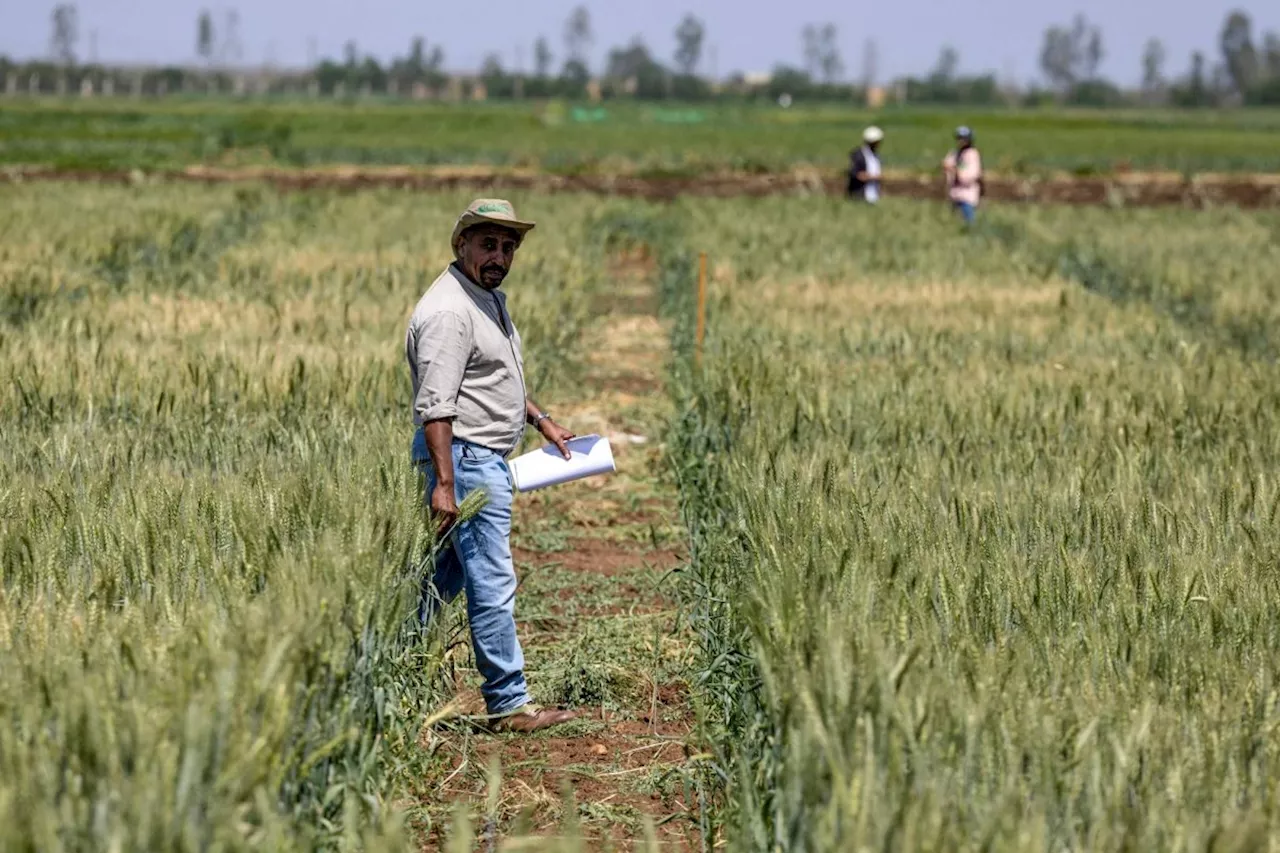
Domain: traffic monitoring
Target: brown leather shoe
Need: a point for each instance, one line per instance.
(531, 718)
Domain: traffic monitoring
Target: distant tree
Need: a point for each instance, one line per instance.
(947, 65)
(416, 62)
(1070, 55)
(434, 64)
(371, 74)
(870, 63)
(1095, 92)
(944, 85)
(1238, 53)
(623, 62)
(329, 74)
(1153, 56)
(811, 46)
(690, 87)
(953, 89)
(1271, 56)
(350, 56)
(1267, 90)
(786, 80)
(689, 37)
(418, 66)
(1093, 53)
(578, 35)
(1056, 62)
(1193, 91)
(830, 62)
(634, 69)
(1196, 75)
(542, 57)
(65, 33)
(205, 38)
(574, 78)
(821, 51)
(497, 82)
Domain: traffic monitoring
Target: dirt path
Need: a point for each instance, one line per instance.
(1135, 189)
(598, 622)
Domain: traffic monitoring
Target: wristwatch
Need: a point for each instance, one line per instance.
(542, 416)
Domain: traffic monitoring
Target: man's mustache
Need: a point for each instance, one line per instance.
(495, 268)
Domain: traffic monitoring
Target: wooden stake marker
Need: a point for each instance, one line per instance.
(702, 302)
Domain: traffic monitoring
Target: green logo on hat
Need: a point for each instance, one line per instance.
(494, 208)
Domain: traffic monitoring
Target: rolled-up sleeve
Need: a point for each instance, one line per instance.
(443, 344)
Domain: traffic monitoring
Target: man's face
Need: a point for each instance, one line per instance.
(963, 142)
(874, 146)
(485, 253)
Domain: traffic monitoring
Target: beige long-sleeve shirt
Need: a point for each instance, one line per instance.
(464, 359)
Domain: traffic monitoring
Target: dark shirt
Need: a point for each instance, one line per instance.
(857, 165)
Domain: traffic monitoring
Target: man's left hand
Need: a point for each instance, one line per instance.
(557, 435)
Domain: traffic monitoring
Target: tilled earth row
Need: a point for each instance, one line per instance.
(1134, 189)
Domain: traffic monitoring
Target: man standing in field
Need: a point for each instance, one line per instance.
(963, 170)
(470, 408)
(864, 167)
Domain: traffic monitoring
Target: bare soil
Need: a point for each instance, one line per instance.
(603, 557)
(1136, 189)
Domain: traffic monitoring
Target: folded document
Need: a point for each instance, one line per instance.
(588, 455)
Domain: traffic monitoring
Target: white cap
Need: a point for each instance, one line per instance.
(872, 134)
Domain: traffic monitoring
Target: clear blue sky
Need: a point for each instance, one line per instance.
(1002, 36)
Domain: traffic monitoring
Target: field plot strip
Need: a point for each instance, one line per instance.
(981, 560)
(128, 133)
(1217, 288)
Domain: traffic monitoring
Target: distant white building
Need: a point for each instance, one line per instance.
(757, 78)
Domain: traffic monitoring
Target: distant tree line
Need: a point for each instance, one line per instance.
(1247, 70)
(1246, 74)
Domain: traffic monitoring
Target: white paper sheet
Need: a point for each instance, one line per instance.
(589, 455)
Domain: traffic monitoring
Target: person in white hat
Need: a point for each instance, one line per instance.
(864, 167)
(470, 409)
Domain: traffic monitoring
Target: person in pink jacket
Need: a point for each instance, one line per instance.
(963, 170)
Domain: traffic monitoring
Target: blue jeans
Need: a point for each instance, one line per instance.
(477, 559)
(968, 211)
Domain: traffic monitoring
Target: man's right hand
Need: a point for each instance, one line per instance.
(444, 508)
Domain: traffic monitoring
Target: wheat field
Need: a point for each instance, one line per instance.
(985, 526)
(210, 535)
(981, 525)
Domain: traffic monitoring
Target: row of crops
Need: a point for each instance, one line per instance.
(984, 525)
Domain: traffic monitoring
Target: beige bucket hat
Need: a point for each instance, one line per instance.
(497, 211)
